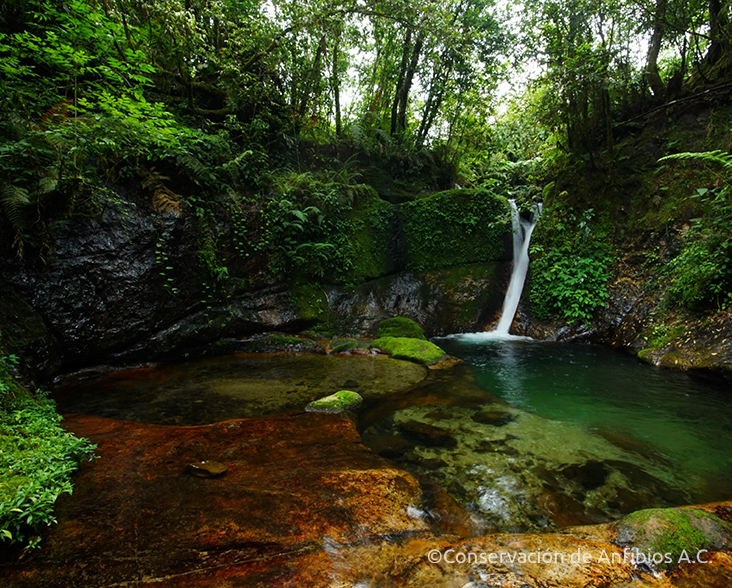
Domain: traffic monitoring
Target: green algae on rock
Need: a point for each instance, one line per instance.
(335, 403)
(672, 535)
(423, 352)
(400, 326)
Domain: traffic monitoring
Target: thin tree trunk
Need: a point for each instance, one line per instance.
(654, 77)
(336, 88)
(400, 83)
(715, 28)
(408, 78)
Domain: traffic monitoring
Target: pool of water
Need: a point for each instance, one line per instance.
(527, 436)
(656, 411)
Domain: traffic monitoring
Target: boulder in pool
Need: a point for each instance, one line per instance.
(416, 350)
(672, 535)
(335, 403)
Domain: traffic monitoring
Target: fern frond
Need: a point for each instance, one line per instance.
(717, 157)
(196, 170)
(151, 178)
(165, 200)
(47, 184)
(14, 200)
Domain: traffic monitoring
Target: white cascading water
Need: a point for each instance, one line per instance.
(522, 230)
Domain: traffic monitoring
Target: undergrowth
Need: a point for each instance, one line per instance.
(37, 459)
(570, 265)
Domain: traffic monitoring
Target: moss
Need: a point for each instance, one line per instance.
(400, 326)
(273, 342)
(470, 290)
(673, 532)
(368, 237)
(415, 350)
(310, 301)
(455, 227)
(335, 403)
(348, 345)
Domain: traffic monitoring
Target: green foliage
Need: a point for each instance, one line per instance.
(702, 272)
(570, 266)
(37, 458)
(335, 232)
(455, 227)
(399, 326)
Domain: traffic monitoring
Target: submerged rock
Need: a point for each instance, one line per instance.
(390, 446)
(495, 415)
(335, 403)
(429, 435)
(207, 469)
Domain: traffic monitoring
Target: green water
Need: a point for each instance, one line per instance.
(654, 411)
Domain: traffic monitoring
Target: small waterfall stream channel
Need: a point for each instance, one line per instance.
(520, 437)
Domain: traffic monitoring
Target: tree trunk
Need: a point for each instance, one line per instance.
(652, 74)
(313, 78)
(716, 22)
(336, 89)
(407, 86)
(400, 83)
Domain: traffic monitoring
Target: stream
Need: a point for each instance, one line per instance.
(528, 436)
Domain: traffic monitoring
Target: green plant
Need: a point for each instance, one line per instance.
(336, 232)
(454, 227)
(570, 266)
(37, 458)
(702, 272)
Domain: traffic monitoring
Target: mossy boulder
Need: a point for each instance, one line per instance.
(661, 538)
(335, 403)
(400, 326)
(349, 346)
(415, 350)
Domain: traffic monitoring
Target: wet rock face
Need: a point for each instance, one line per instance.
(128, 286)
(293, 485)
(304, 503)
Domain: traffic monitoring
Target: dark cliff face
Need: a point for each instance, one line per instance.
(128, 286)
(105, 293)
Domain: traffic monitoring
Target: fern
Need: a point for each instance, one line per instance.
(196, 170)
(717, 157)
(163, 198)
(152, 178)
(14, 201)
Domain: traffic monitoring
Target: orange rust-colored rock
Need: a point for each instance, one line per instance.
(294, 484)
(303, 504)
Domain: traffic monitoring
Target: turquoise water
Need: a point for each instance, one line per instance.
(664, 414)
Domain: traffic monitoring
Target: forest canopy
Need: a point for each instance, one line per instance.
(228, 92)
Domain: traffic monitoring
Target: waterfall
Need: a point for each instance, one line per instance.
(522, 230)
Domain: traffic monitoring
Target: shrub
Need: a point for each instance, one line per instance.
(37, 458)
